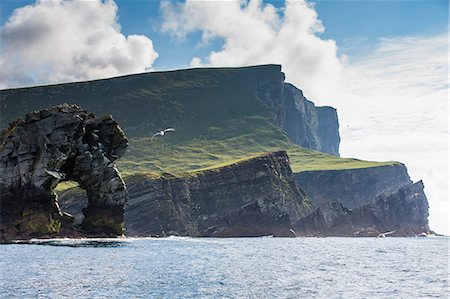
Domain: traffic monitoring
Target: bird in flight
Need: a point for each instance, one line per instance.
(161, 133)
(384, 235)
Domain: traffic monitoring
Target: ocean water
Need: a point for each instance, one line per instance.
(227, 268)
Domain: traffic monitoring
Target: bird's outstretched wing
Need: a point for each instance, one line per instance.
(160, 133)
(383, 235)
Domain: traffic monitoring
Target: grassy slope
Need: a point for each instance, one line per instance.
(173, 157)
(215, 111)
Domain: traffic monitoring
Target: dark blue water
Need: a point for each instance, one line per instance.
(227, 268)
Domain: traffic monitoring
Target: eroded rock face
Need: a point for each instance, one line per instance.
(51, 146)
(401, 213)
(364, 202)
(352, 187)
(255, 197)
(305, 124)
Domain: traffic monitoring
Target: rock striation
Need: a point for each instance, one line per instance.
(254, 197)
(51, 146)
(364, 202)
(135, 101)
(305, 124)
(204, 104)
(352, 187)
(402, 213)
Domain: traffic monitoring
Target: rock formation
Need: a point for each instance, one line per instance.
(254, 197)
(51, 146)
(364, 202)
(309, 126)
(353, 187)
(305, 124)
(203, 104)
(257, 197)
(401, 213)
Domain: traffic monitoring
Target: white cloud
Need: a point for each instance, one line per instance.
(256, 33)
(58, 41)
(393, 105)
(392, 102)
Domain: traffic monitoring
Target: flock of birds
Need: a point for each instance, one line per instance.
(161, 133)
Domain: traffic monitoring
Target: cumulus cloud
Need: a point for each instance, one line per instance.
(59, 41)
(257, 33)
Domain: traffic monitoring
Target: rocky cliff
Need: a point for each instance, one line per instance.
(309, 126)
(220, 114)
(254, 197)
(364, 202)
(50, 146)
(402, 213)
(352, 187)
(195, 101)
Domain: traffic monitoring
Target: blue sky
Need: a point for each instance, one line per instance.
(354, 25)
(347, 22)
(382, 64)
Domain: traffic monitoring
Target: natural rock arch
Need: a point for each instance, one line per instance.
(50, 146)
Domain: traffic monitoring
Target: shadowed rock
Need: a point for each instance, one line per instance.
(401, 213)
(305, 124)
(364, 202)
(254, 197)
(51, 146)
(352, 187)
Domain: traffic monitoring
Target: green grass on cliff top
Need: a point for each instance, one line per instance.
(216, 113)
(196, 155)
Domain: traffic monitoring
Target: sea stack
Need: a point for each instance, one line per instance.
(44, 148)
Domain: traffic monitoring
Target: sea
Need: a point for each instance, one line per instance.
(178, 267)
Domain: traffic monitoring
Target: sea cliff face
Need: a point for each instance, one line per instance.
(364, 202)
(218, 113)
(402, 213)
(306, 125)
(353, 187)
(143, 103)
(255, 197)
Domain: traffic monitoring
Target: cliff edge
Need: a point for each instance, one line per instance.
(402, 213)
(376, 201)
(352, 187)
(305, 124)
(253, 197)
(220, 115)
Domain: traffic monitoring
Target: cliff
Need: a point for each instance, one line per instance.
(402, 213)
(253, 197)
(306, 125)
(364, 202)
(223, 113)
(220, 115)
(51, 146)
(352, 187)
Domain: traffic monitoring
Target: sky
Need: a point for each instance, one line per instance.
(382, 64)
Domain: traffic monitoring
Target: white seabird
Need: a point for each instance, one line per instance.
(161, 133)
(383, 235)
